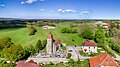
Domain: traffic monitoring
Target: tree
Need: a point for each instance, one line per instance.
(118, 33)
(99, 36)
(44, 43)
(30, 49)
(5, 42)
(68, 55)
(71, 61)
(63, 30)
(115, 47)
(78, 62)
(73, 30)
(38, 46)
(110, 33)
(31, 30)
(3, 64)
(14, 53)
(87, 33)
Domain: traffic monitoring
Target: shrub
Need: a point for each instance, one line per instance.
(68, 55)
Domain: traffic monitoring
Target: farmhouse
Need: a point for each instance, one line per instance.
(105, 25)
(89, 46)
(103, 60)
(53, 46)
(48, 27)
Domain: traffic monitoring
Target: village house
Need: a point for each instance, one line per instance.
(48, 27)
(89, 46)
(103, 60)
(53, 46)
(105, 25)
(30, 63)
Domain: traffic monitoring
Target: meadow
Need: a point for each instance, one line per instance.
(20, 35)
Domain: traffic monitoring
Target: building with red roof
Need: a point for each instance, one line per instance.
(105, 25)
(89, 46)
(103, 60)
(31, 63)
(48, 27)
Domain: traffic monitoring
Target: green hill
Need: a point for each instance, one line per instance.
(20, 36)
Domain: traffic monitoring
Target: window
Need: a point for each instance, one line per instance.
(110, 60)
(106, 60)
(69, 50)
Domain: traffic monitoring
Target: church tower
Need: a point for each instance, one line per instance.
(49, 46)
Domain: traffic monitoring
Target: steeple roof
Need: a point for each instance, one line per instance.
(50, 36)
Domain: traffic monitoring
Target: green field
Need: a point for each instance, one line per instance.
(20, 36)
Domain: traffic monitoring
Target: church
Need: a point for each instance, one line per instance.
(53, 46)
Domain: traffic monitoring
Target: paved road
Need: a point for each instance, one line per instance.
(117, 56)
(47, 60)
(75, 53)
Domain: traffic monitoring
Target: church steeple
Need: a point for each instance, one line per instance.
(50, 36)
(49, 45)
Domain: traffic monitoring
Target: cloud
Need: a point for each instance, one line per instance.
(66, 10)
(41, 9)
(29, 1)
(22, 2)
(59, 10)
(2, 5)
(85, 14)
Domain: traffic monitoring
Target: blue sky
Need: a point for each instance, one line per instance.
(60, 9)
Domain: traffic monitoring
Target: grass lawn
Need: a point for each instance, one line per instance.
(61, 65)
(48, 65)
(84, 63)
(20, 36)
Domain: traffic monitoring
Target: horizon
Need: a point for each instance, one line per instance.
(60, 9)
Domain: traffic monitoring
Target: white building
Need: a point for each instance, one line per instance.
(89, 46)
(103, 24)
(48, 27)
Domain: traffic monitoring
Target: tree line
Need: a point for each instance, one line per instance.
(12, 52)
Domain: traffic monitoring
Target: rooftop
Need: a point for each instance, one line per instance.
(102, 60)
(88, 43)
(31, 63)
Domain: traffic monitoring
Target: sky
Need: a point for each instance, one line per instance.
(60, 9)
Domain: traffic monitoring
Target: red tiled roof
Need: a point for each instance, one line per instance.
(106, 24)
(57, 41)
(88, 43)
(26, 64)
(102, 60)
(31, 61)
(50, 36)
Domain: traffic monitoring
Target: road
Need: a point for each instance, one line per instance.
(117, 56)
(48, 60)
(75, 53)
